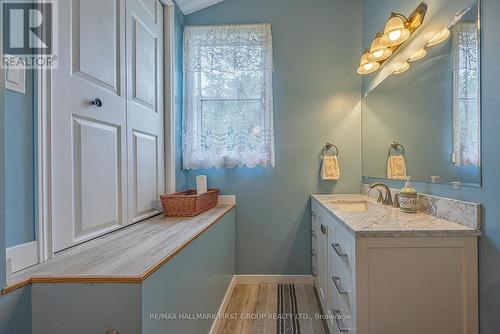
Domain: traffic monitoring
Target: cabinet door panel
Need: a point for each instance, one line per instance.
(97, 185)
(145, 172)
(95, 41)
(145, 127)
(145, 67)
(89, 189)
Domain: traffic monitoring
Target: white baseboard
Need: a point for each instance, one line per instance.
(223, 306)
(274, 279)
(23, 256)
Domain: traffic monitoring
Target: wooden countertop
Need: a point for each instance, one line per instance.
(129, 255)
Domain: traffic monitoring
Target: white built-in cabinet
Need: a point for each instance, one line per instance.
(107, 129)
(395, 285)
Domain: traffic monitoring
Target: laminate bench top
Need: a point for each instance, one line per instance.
(129, 255)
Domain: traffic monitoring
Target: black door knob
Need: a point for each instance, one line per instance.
(96, 103)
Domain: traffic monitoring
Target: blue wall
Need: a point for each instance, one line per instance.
(19, 165)
(316, 99)
(375, 12)
(17, 224)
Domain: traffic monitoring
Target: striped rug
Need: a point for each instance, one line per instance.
(288, 312)
(273, 309)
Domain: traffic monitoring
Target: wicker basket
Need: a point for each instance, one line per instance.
(188, 204)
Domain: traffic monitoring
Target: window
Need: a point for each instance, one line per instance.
(228, 98)
(466, 101)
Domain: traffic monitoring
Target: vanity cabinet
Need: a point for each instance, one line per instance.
(393, 285)
(333, 270)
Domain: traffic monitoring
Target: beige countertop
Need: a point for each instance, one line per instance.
(364, 217)
(129, 255)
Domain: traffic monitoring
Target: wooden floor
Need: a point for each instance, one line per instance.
(253, 309)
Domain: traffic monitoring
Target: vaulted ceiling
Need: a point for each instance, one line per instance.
(191, 6)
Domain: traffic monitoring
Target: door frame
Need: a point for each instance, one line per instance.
(44, 138)
(169, 92)
(3, 250)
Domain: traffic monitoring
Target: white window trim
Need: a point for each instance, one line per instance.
(169, 95)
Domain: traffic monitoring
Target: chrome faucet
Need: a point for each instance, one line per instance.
(388, 196)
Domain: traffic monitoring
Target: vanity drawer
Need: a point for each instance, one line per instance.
(341, 317)
(343, 247)
(343, 285)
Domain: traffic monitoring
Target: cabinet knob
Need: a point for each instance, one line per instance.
(323, 229)
(96, 103)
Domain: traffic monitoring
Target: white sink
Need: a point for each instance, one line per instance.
(357, 205)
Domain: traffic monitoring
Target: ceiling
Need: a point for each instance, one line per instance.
(191, 6)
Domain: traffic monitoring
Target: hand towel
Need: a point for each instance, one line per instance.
(396, 167)
(330, 168)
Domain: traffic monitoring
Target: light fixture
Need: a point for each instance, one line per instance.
(417, 55)
(402, 68)
(379, 52)
(367, 66)
(439, 37)
(395, 31)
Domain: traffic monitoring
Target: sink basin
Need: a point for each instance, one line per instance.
(356, 206)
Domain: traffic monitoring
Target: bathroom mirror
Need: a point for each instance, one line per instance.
(426, 122)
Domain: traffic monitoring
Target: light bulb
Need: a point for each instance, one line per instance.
(378, 54)
(395, 35)
(377, 51)
(395, 31)
(366, 65)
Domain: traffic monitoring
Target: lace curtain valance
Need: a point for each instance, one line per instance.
(466, 99)
(228, 104)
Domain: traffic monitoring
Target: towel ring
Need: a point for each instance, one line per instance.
(396, 146)
(327, 148)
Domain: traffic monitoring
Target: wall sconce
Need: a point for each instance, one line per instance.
(379, 52)
(397, 30)
(417, 55)
(366, 65)
(439, 37)
(402, 68)
(422, 52)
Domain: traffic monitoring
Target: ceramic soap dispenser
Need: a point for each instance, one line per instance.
(408, 198)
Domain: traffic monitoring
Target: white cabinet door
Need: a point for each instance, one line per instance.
(89, 142)
(145, 107)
